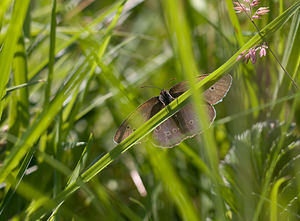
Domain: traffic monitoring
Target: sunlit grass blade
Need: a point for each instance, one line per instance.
(4, 6)
(235, 23)
(51, 54)
(274, 196)
(178, 27)
(11, 191)
(82, 162)
(10, 43)
(74, 174)
(20, 68)
(291, 61)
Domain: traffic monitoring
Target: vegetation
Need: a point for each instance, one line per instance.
(72, 71)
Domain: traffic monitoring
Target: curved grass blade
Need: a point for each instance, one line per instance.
(51, 54)
(274, 194)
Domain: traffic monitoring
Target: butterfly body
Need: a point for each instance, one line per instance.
(181, 125)
(165, 97)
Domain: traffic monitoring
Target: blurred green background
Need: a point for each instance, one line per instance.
(72, 71)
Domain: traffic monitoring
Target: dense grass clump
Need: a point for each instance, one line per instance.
(72, 71)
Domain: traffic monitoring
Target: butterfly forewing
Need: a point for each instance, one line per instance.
(212, 95)
(143, 113)
(215, 93)
(180, 88)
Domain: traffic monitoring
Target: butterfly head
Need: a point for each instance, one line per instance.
(165, 97)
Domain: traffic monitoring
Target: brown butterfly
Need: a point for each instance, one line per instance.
(184, 123)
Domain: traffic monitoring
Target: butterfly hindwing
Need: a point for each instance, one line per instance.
(167, 134)
(180, 126)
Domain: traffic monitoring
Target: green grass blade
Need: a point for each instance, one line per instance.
(274, 195)
(19, 177)
(291, 61)
(10, 44)
(51, 54)
(4, 5)
(235, 23)
(82, 161)
(20, 77)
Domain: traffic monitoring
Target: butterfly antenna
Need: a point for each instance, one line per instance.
(158, 87)
(151, 87)
(173, 79)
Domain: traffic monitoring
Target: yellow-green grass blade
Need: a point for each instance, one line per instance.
(10, 44)
(20, 86)
(51, 54)
(70, 116)
(81, 162)
(274, 200)
(291, 61)
(20, 77)
(4, 6)
(11, 189)
(235, 22)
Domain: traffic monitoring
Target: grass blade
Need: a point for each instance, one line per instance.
(274, 194)
(10, 44)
